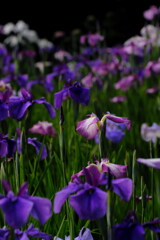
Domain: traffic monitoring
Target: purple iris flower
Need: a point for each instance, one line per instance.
(90, 202)
(84, 234)
(18, 208)
(7, 146)
(76, 92)
(19, 105)
(114, 131)
(40, 148)
(31, 232)
(130, 229)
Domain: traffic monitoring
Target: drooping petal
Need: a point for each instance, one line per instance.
(39, 147)
(150, 162)
(123, 187)
(59, 97)
(3, 148)
(18, 107)
(41, 209)
(47, 105)
(89, 203)
(3, 111)
(62, 195)
(16, 210)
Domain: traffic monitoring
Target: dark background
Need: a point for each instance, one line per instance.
(120, 18)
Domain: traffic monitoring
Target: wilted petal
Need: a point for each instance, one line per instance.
(123, 187)
(150, 162)
(89, 203)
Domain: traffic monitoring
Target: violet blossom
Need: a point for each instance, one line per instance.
(7, 146)
(89, 201)
(151, 13)
(18, 208)
(78, 93)
(89, 128)
(131, 229)
(150, 133)
(43, 128)
(19, 105)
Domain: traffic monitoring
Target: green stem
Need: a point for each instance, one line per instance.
(133, 177)
(109, 228)
(100, 144)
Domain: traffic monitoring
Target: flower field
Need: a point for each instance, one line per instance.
(79, 135)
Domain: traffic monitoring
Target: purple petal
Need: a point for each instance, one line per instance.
(23, 191)
(150, 162)
(123, 187)
(3, 111)
(41, 209)
(59, 97)
(80, 94)
(89, 203)
(4, 234)
(119, 171)
(85, 234)
(62, 195)
(18, 107)
(119, 120)
(3, 148)
(48, 106)
(16, 210)
(128, 231)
